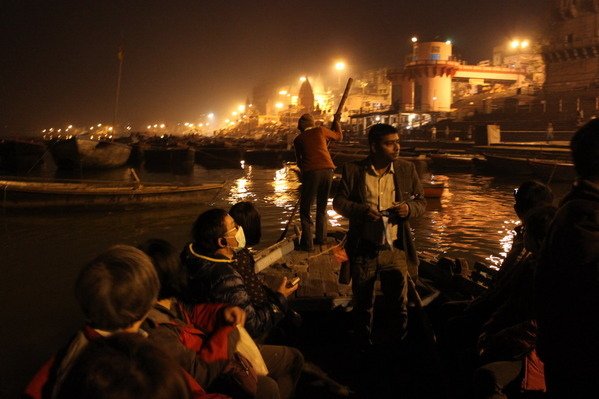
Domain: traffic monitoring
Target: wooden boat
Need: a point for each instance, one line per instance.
(98, 194)
(548, 170)
(177, 160)
(457, 162)
(268, 157)
(21, 155)
(85, 152)
(434, 187)
(508, 166)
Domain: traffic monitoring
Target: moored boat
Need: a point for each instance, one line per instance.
(177, 160)
(100, 194)
(434, 187)
(20, 154)
(508, 166)
(549, 170)
(85, 152)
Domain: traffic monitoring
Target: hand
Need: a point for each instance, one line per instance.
(285, 290)
(233, 315)
(402, 209)
(373, 214)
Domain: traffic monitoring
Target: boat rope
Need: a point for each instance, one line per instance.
(552, 172)
(340, 244)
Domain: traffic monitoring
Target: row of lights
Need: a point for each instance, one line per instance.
(415, 40)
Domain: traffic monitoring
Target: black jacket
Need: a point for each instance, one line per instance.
(567, 282)
(214, 280)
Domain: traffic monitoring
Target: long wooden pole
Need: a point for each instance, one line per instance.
(121, 57)
(336, 119)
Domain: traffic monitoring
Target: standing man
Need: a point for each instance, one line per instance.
(567, 280)
(379, 195)
(316, 167)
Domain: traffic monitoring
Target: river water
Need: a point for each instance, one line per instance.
(41, 252)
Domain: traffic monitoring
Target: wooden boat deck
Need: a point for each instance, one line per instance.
(319, 273)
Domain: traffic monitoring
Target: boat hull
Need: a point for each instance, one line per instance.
(19, 155)
(85, 153)
(36, 194)
(552, 170)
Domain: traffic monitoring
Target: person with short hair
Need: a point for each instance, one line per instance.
(316, 167)
(115, 291)
(379, 195)
(567, 280)
(211, 278)
(124, 366)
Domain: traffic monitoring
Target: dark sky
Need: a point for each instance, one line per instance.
(185, 58)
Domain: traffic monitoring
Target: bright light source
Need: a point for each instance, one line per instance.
(302, 79)
(524, 44)
(234, 113)
(414, 39)
(110, 129)
(279, 105)
(99, 124)
(128, 127)
(515, 43)
(149, 126)
(448, 42)
(227, 120)
(162, 126)
(186, 123)
(340, 65)
(155, 125)
(241, 108)
(44, 131)
(211, 115)
(377, 118)
(283, 92)
(70, 126)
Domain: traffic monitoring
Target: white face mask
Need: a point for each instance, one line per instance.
(240, 238)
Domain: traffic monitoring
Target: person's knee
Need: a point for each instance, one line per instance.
(267, 388)
(297, 359)
(485, 385)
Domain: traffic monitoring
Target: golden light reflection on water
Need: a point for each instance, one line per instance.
(242, 188)
(285, 189)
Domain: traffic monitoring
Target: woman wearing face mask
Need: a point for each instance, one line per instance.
(210, 264)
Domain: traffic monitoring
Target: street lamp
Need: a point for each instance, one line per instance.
(414, 47)
(340, 67)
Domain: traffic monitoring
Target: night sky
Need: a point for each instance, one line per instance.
(187, 58)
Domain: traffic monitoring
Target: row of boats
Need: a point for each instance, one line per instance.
(179, 155)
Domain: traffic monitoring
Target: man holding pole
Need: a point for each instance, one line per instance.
(379, 194)
(316, 167)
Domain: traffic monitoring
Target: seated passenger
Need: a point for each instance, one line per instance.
(247, 217)
(124, 366)
(465, 328)
(115, 291)
(508, 340)
(207, 352)
(211, 278)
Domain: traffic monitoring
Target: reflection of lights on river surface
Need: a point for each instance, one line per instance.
(285, 190)
(241, 190)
